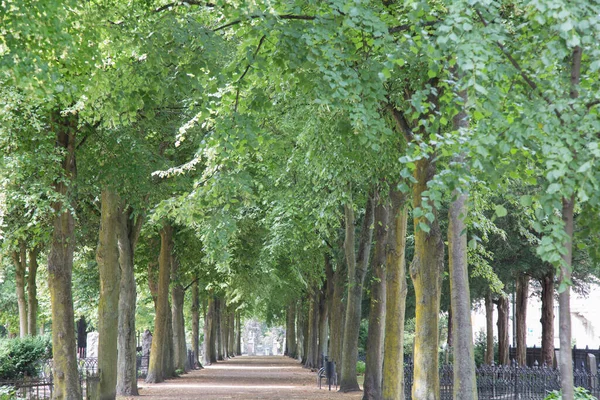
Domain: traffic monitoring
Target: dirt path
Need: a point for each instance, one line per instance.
(260, 377)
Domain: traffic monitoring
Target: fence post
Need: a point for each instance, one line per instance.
(515, 367)
(593, 373)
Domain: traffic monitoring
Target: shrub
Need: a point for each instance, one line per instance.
(360, 367)
(580, 394)
(7, 393)
(19, 357)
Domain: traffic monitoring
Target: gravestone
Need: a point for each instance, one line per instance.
(146, 345)
(92, 345)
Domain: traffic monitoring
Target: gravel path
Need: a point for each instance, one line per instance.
(257, 377)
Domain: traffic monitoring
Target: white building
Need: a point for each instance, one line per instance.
(585, 319)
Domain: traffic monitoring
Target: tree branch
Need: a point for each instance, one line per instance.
(183, 3)
(237, 94)
(190, 284)
(405, 27)
(521, 71)
(401, 123)
(283, 16)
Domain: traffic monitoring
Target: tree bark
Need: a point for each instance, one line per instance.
(313, 332)
(465, 384)
(502, 324)
(107, 257)
(177, 297)
(196, 322)
(219, 326)
(127, 236)
(224, 329)
(566, 267)
(372, 389)
(239, 333)
(60, 267)
(324, 310)
(521, 317)
(231, 347)
(156, 367)
(393, 361)
(565, 359)
(357, 268)
(305, 333)
(214, 340)
(168, 348)
(20, 261)
(32, 304)
(292, 345)
(548, 318)
(209, 355)
(338, 310)
(426, 273)
(489, 329)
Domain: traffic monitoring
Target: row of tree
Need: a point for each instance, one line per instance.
(266, 148)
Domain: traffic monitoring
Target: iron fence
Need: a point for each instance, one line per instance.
(502, 382)
(27, 388)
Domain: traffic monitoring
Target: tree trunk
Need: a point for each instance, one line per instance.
(219, 325)
(338, 310)
(196, 322)
(288, 314)
(168, 348)
(393, 361)
(521, 317)
(324, 311)
(564, 296)
(224, 329)
(548, 318)
(313, 322)
(177, 297)
(305, 333)
(209, 355)
(60, 268)
(231, 345)
(32, 305)
(128, 233)
(214, 340)
(20, 261)
(107, 257)
(426, 273)
(156, 367)
(565, 359)
(489, 329)
(502, 306)
(239, 333)
(375, 339)
(465, 384)
(357, 268)
(292, 345)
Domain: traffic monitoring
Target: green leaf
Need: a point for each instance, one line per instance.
(501, 211)
(424, 227)
(553, 188)
(526, 200)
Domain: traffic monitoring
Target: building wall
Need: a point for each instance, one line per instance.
(585, 319)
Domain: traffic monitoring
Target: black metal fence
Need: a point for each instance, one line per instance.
(40, 386)
(533, 356)
(509, 382)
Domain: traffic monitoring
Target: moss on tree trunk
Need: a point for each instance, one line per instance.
(357, 266)
(60, 268)
(426, 273)
(107, 257)
(377, 315)
(156, 368)
(393, 362)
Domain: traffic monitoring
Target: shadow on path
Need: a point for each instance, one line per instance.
(245, 377)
